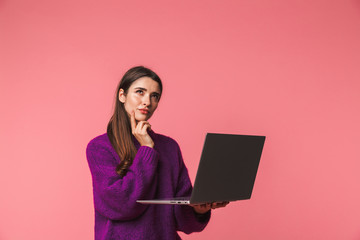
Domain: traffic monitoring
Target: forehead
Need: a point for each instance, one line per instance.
(147, 83)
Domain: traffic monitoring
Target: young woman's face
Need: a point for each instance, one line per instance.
(142, 97)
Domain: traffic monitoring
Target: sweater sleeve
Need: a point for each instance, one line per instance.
(115, 197)
(187, 219)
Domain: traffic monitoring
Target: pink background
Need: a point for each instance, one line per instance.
(289, 70)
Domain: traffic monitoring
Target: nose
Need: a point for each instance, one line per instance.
(146, 100)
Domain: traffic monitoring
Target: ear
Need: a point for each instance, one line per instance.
(122, 96)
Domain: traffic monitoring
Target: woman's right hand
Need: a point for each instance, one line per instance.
(205, 207)
(139, 130)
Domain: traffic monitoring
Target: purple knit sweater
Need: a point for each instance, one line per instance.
(157, 172)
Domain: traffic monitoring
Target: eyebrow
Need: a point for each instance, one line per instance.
(144, 89)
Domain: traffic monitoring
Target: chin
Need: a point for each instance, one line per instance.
(141, 118)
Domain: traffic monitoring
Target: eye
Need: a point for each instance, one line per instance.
(140, 91)
(157, 97)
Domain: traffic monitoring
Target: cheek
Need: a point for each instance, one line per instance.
(155, 104)
(130, 106)
(133, 101)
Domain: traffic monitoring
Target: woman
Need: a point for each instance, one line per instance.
(132, 162)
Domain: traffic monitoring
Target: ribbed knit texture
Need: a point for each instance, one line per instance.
(157, 172)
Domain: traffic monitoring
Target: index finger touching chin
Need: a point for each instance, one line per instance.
(132, 120)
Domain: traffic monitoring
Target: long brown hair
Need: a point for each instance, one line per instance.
(119, 127)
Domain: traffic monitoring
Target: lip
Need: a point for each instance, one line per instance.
(144, 111)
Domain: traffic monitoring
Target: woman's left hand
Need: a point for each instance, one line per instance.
(205, 207)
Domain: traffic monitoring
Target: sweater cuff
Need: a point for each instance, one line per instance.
(148, 155)
(204, 217)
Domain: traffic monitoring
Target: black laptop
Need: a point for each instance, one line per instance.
(226, 172)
